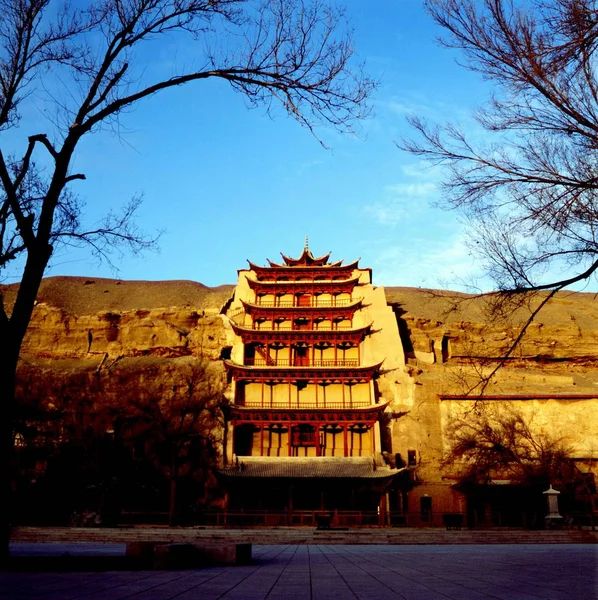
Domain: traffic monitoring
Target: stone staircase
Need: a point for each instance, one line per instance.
(297, 535)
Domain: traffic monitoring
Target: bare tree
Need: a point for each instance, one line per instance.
(91, 62)
(499, 442)
(530, 188)
(180, 428)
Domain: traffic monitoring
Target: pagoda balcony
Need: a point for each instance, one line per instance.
(323, 405)
(348, 371)
(301, 362)
(313, 303)
(292, 327)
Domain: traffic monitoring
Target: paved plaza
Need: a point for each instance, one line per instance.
(295, 572)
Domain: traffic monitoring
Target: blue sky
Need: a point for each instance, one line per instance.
(229, 184)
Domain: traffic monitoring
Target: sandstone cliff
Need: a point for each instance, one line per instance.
(99, 344)
(91, 323)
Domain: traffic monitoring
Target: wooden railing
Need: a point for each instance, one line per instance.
(290, 327)
(298, 518)
(239, 317)
(301, 362)
(304, 405)
(310, 518)
(313, 303)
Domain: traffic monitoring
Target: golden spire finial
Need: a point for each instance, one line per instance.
(306, 242)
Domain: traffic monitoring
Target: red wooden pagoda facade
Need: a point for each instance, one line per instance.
(303, 428)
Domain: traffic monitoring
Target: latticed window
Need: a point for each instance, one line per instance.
(304, 437)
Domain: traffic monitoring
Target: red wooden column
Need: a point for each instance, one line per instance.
(261, 440)
(345, 441)
(317, 428)
(382, 508)
(290, 434)
(373, 438)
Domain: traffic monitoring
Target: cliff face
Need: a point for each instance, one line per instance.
(77, 317)
(449, 327)
(100, 345)
(81, 319)
(97, 325)
(167, 332)
(105, 343)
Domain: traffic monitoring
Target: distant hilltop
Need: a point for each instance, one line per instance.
(89, 295)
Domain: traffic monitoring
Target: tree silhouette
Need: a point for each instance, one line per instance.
(528, 188)
(90, 60)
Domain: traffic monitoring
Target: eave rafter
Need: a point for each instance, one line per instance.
(312, 336)
(366, 415)
(296, 287)
(306, 312)
(278, 272)
(274, 265)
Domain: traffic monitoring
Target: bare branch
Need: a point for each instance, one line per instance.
(531, 192)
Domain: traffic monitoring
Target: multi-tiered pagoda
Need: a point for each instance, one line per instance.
(303, 432)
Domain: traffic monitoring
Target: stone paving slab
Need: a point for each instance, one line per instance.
(328, 572)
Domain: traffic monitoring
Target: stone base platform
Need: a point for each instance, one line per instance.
(300, 536)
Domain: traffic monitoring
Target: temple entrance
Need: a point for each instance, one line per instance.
(299, 502)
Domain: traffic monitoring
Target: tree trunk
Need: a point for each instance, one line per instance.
(172, 509)
(173, 485)
(12, 333)
(8, 367)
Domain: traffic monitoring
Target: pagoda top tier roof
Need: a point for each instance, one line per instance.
(307, 259)
(304, 267)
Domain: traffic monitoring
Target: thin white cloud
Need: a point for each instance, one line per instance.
(411, 190)
(400, 200)
(427, 263)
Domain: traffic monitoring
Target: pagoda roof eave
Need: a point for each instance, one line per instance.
(290, 309)
(289, 268)
(254, 283)
(347, 469)
(306, 258)
(240, 330)
(338, 263)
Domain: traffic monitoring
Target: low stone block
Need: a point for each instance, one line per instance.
(175, 556)
(225, 554)
(142, 551)
(188, 556)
